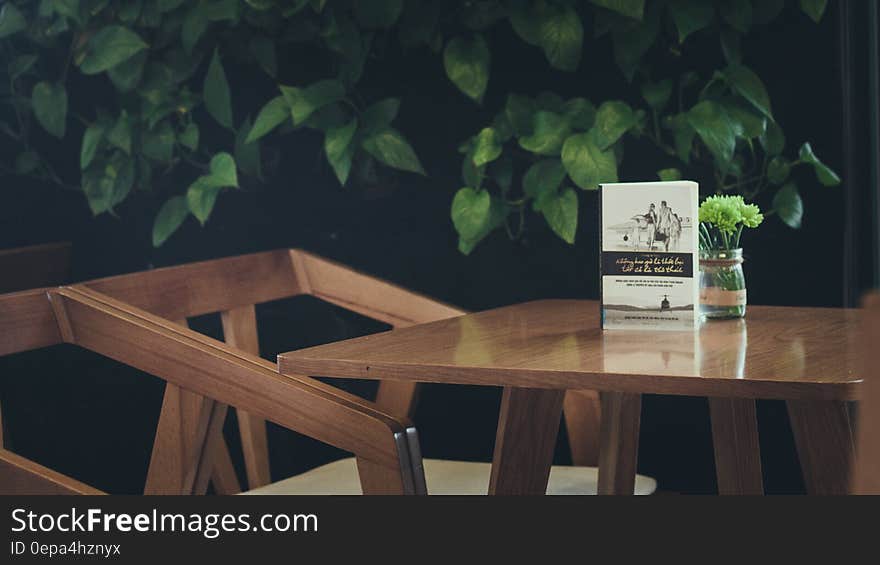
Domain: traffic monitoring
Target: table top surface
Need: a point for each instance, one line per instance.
(775, 352)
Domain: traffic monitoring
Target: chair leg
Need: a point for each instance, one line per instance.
(180, 435)
(223, 475)
(240, 330)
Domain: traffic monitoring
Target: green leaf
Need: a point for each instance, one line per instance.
(501, 171)
(90, 143)
(487, 147)
(561, 212)
(330, 116)
(189, 137)
(682, 134)
(11, 20)
(691, 16)
(168, 5)
(738, 13)
(340, 150)
(381, 14)
(50, 107)
(731, 46)
(788, 204)
(773, 139)
(108, 183)
(223, 10)
(263, 50)
(586, 163)
(120, 134)
(613, 119)
(520, 111)
(467, 65)
(271, 116)
(561, 35)
(814, 8)
(632, 42)
(158, 142)
(303, 102)
(470, 173)
(218, 101)
(171, 215)
(389, 147)
(247, 155)
(525, 19)
(657, 94)
(222, 171)
(498, 211)
(630, 8)
(195, 23)
(470, 212)
(293, 7)
(669, 174)
(765, 11)
(580, 113)
(549, 131)
(21, 64)
(201, 197)
(380, 114)
(128, 73)
(715, 128)
(751, 123)
(748, 85)
(778, 169)
(110, 47)
(128, 11)
(542, 179)
(824, 173)
(26, 162)
(482, 14)
(261, 5)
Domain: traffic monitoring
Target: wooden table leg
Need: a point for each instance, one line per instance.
(737, 452)
(619, 442)
(525, 441)
(824, 441)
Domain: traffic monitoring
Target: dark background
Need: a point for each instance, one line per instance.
(93, 419)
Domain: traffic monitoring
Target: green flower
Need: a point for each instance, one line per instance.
(751, 215)
(722, 219)
(723, 212)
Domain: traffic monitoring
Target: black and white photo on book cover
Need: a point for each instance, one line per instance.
(649, 255)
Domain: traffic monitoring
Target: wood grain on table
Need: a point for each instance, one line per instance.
(775, 352)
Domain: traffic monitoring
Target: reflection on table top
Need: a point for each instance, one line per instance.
(775, 352)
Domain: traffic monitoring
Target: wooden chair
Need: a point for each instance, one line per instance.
(34, 266)
(198, 367)
(232, 286)
(866, 479)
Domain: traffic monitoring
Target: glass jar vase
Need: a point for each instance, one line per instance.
(722, 284)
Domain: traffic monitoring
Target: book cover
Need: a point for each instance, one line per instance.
(649, 255)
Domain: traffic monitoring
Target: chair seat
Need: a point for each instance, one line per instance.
(443, 477)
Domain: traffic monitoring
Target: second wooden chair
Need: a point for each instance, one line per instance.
(232, 286)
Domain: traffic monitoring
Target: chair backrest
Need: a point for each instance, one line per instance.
(232, 286)
(866, 479)
(34, 266)
(219, 374)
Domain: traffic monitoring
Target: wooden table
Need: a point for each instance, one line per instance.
(537, 350)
